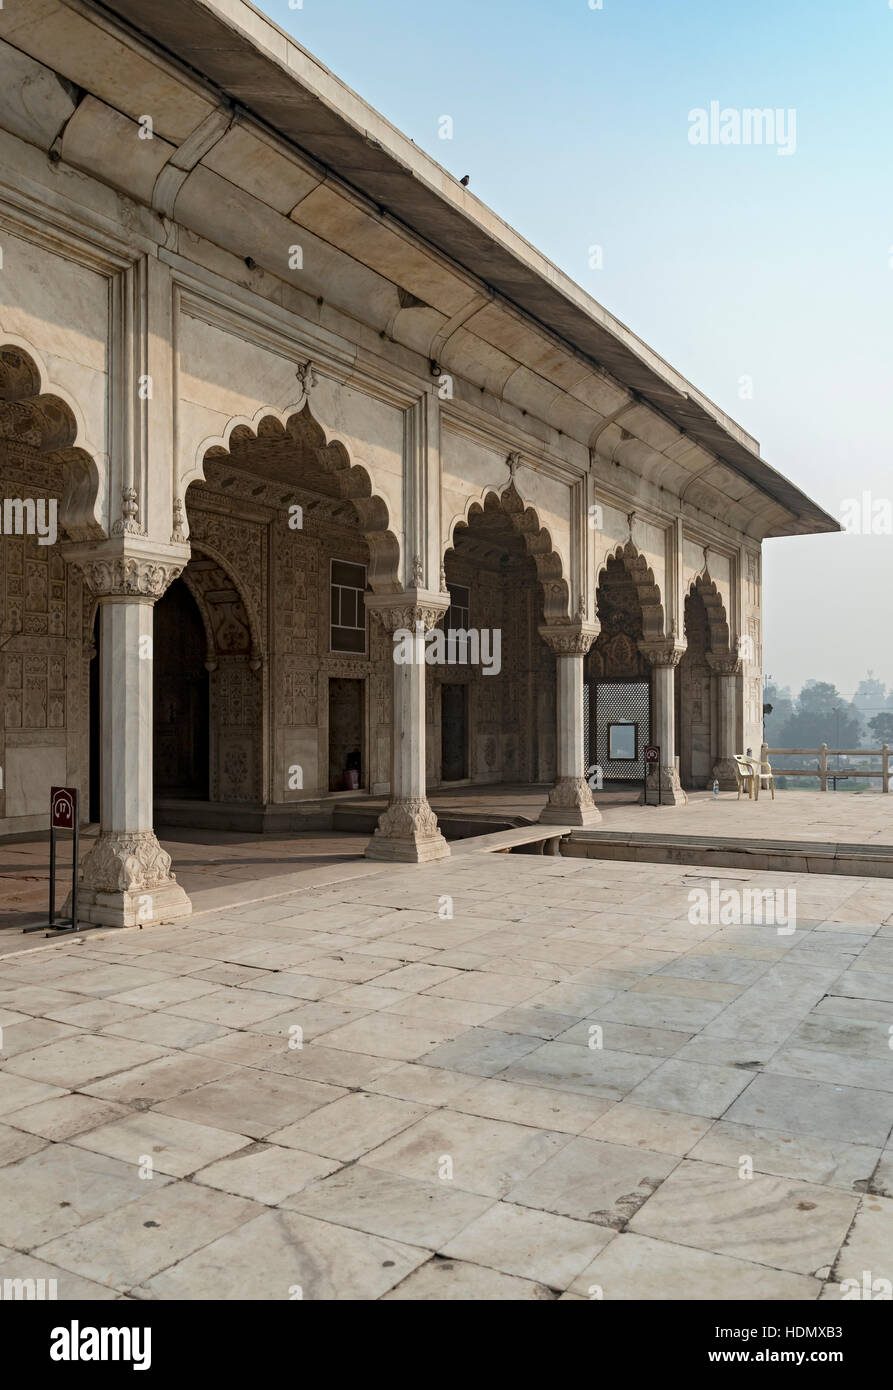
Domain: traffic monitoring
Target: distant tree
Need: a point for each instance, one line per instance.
(870, 696)
(881, 726)
(822, 715)
(817, 696)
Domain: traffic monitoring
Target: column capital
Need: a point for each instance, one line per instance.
(408, 609)
(124, 568)
(663, 651)
(569, 639)
(724, 663)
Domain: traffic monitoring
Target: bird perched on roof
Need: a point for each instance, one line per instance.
(465, 182)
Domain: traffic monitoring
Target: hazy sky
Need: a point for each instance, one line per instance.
(731, 260)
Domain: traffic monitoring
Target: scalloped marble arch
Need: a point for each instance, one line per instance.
(354, 482)
(36, 410)
(537, 540)
(717, 622)
(643, 578)
(202, 547)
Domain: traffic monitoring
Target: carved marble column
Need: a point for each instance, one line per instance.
(570, 800)
(126, 878)
(664, 655)
(408, 831)
(726, 667)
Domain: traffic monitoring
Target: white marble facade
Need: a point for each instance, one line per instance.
(231, 362)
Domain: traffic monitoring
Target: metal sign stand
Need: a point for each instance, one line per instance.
(651, 756)
(63, 816)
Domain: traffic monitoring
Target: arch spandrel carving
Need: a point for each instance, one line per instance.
(267, 437)
(717, 622)
(537, 542)
(231, 627)
(37, 413)
(647, 590)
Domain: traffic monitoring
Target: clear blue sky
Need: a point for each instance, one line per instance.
(730, 261)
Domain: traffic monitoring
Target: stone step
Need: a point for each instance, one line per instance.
(783, 856)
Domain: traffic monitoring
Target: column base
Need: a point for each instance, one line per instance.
(126, 881)
(128, 909)
(671, 793)
(570, 803)
(408, 834)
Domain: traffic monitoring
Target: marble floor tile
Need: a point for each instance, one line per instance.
(662, 1131)
(831, 1163)
(350, 1126)
(127, 1246)
(392, 1036)
(695, 1088)
(591, 1180)
(17, 1143)
(470, 1152)
(482, 1051)
(588, 1071)
(61, 1187)
(74, 1062)
(454, 1281)
(634, 1267)
(174, 1146)
(547, 1108)
(65, 1116)
(868, 1250)
(768, 1220)
(249, 1102)
(385, 1204)
(531, 1244)
(266, 1173)
(284, 1255)
(816, 1108)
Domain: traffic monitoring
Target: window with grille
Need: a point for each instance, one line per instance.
(457, 620)
(347, 611)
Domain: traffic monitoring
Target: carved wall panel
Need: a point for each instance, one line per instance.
(510, 714)
(695, 699)
(43, 661)
(284, 631)
(235, 731)
(615, 655)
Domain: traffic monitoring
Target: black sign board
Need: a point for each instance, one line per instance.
(651, 755)
(63, 816)
(63, 807)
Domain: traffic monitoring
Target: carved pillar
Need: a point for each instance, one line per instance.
(408, 831)
(570, 800)
(126, 878)
(726, 667)
(664, 655)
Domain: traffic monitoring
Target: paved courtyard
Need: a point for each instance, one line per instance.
(220, 868)
(503, 1077)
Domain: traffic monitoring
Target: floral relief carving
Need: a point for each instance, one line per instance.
(571, 793)
(408, 819)
(126, 863)
(127, 576)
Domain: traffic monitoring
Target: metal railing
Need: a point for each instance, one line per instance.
(825, 773)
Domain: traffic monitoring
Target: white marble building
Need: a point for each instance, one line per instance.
(294, 390)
